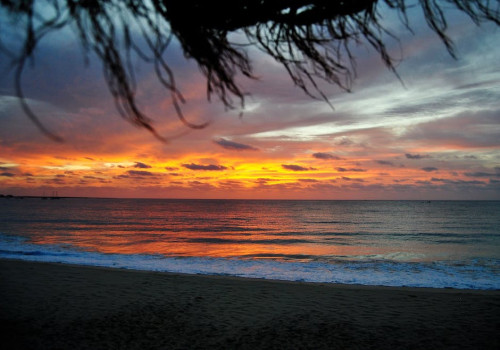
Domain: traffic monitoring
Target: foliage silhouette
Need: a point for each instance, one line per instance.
(311, 39)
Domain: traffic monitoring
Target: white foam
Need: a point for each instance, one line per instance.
(474, 274)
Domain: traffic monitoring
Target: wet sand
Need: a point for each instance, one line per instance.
(56, 306)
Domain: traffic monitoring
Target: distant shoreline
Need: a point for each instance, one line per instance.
(9, 196)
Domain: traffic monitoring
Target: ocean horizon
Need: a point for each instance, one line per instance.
(417, 243)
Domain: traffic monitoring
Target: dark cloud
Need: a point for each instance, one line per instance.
(230, 183)
(211, 167)
(7, 174)
(416, 156)
(351, 179)
(295, 167)
(231, 145)
(169, 168)
(56, 181)
(140, 173)
(350, 169)
(385, 162)
(421, 182)
(142, 165)
(457, 182)
(326, 156)
(482, 174)
(430, 168)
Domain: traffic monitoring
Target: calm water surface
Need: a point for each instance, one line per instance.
(436, 244)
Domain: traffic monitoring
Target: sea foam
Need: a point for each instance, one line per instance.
(473, 274)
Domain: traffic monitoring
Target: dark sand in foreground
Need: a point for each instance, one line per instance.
(55, 306)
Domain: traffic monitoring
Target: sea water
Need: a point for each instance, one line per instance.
(451, 244)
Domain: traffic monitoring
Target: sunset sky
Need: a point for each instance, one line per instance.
(434, 134)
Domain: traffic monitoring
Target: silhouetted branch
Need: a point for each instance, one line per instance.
(311, 39)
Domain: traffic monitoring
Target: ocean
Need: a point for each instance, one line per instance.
(441, 244)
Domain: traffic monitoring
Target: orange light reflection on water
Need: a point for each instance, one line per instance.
(215, 249)
(209, 228)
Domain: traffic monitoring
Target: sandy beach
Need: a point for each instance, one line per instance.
(56, 306)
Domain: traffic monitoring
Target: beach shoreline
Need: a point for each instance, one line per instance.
(59, 306)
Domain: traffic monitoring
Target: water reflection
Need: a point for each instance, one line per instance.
(259, 229)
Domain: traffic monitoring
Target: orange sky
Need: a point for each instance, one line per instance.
(435, 137)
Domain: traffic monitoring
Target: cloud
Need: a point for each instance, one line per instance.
(458, 182)
(326, 156)
(352, 179)
(465, 129)
(416, 156)
(262, 180)
(344, 141)
(295, 167)
(7, 174)
(201, 185)
(350, 169)
(55, 181)
(380, 120)
(140, 173)
(309, 180)
(385, 162)
(211, 167)
(430, 168)
(481, 174)
(231, 145)
(142, 165)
